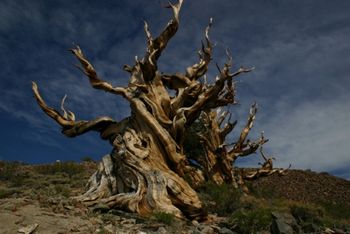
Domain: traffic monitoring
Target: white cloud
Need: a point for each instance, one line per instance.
(313, 135)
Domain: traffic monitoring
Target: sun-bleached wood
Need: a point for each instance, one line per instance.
(145, 171)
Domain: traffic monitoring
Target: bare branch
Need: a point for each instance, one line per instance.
(222, 117)
(95, 81)
(66, 113)
(247, 148)
(70, 127)
(208, 98)
(48, 110)
(176, 81)
(242, 70)
(149, 36)
(262, 154)
(186, 94)
(199, 69)
(247, 128)
(227, 129)
(156, 46)
(265, 170)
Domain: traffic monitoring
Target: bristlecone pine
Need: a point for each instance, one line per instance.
(146, 169)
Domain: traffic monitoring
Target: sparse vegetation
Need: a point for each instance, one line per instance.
(337, 209)
(163, 217)
(69, 168)
(4, 193)
(251, 221)
(221, 199)
(108, 218)
(11, 173)
(306, 213)
(87, 159)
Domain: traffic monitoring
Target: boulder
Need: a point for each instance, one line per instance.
(283, 223)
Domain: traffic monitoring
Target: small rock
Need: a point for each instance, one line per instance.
(195, 223)
(226, 231)
(328, 231)
(128, 221)
(96, 221)
(263, 232)
(53, 201)
(69, 207)
(28, 229)
(338, 231)
(74, 229)
(109, 228)
(162, 230)
(207, 230)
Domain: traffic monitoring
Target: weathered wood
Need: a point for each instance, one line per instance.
(146, 169)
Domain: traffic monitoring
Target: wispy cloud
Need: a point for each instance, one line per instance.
(314, 135)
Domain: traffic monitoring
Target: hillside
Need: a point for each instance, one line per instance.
(39, 197)
(307, 186)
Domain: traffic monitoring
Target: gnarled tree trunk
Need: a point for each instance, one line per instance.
(146, 169)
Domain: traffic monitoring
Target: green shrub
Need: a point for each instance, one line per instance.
(164, 217)
(193, 146)
(251, 221)
(337, 210)
(108, 218)
(62, 190)
(325, 214)
(12, 173)
(306, 214)
(221, 199)
(18, 181)
(8, 170)
(55, 190)
(268, 192)
(4, 193)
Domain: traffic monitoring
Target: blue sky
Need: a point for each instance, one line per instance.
(300, 49)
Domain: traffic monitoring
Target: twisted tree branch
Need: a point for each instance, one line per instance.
(95, 81)
(70, 127)
(156, 46)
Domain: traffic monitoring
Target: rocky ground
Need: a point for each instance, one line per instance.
(307, 186)
(37, 199)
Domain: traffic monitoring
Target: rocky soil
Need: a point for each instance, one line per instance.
(307, 186)
(38, 199)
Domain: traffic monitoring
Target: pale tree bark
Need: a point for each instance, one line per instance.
(146, 169)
